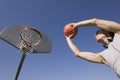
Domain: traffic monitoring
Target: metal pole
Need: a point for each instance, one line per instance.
(20, 66)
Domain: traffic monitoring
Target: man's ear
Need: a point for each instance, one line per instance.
(110, 39)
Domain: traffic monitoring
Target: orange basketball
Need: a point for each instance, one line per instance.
(70, 30)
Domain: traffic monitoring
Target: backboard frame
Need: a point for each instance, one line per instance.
(10, 35)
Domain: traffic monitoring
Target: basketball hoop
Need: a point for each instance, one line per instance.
(29, 39)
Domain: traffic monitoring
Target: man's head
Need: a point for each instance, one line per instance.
(104, 37)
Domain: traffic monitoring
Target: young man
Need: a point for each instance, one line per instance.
(109, 35)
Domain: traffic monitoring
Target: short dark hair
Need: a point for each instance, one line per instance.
(111, 33)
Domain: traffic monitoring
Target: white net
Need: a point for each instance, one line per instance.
(26, 47)
(29, 39)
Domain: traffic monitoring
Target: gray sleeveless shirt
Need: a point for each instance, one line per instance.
(112, 55)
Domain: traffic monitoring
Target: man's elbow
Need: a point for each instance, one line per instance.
(76, 53)
(94, 20)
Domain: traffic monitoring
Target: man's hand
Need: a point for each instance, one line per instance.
(70, 30)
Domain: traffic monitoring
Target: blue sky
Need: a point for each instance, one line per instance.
(50, 16)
